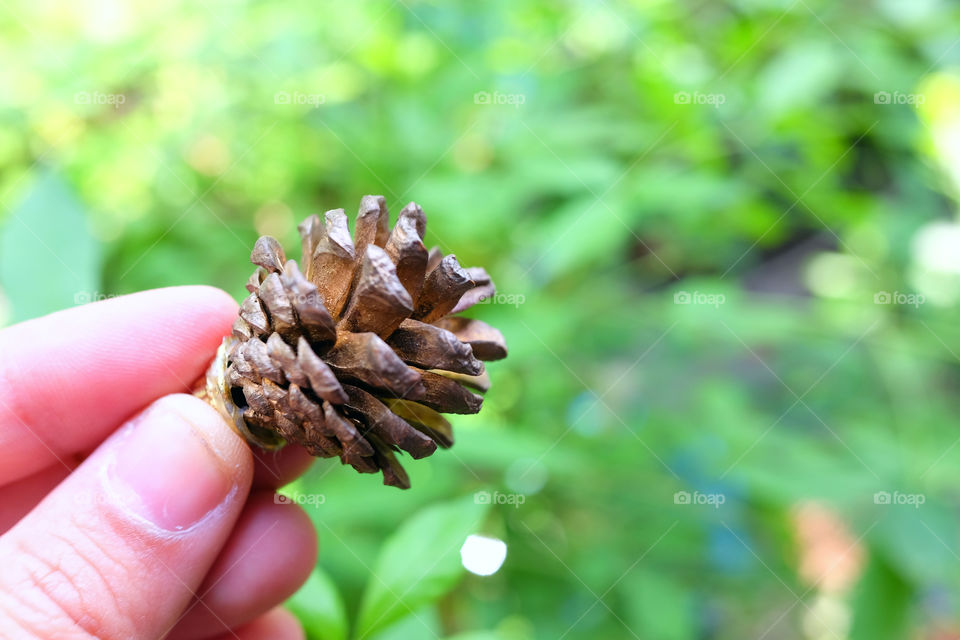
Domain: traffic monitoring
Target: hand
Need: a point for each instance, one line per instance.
(131, 523)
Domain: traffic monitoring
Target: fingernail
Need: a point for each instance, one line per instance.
(169, 468)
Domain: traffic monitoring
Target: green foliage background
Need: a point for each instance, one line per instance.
(791, 159)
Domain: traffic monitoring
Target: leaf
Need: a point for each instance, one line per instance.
(660, 607)
(798, 77)
(882, 603)
(419, 563)
(48, 258)
(916, 541)
(319, 607)
(425, 623)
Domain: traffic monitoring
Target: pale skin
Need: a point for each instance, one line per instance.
(128, 508)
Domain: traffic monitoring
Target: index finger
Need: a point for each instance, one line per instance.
(70, 378)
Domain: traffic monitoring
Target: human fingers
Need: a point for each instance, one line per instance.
(70, 378)
(118, 549)
(269, 555)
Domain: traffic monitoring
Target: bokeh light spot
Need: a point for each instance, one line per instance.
(482, 555)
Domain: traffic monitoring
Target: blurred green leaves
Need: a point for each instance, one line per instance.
(48, 258)
(740, 148)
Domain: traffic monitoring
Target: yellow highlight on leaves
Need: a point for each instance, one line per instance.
(938, 110)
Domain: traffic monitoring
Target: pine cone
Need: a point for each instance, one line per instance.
(356, 355)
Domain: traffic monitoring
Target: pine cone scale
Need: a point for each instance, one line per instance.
(431, 347)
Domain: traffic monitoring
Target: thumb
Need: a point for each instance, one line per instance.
(117, 550)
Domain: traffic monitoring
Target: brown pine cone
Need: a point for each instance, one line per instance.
(356, 355)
